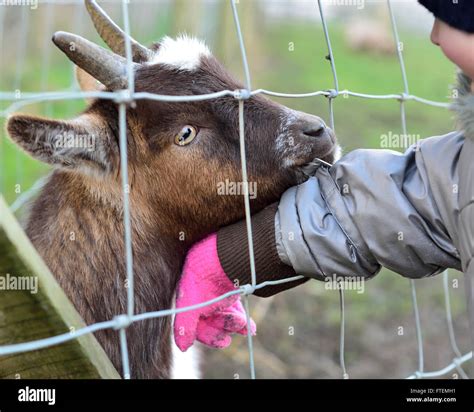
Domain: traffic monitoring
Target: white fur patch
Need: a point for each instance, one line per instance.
(185, 365)
(285, 140)
(338, 153)
(182, 53)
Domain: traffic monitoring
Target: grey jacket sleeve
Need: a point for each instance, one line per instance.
(375, 208)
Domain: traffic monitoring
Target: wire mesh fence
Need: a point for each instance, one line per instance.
(125, 97)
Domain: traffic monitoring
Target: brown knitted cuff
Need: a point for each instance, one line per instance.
(232, 249)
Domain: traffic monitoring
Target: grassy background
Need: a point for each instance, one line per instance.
(374, 346)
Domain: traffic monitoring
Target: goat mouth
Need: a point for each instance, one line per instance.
(309, 168)
(326, 156)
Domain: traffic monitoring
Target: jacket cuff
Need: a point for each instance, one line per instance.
(232, 249)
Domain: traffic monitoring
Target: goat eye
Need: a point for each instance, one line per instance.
(185, 136)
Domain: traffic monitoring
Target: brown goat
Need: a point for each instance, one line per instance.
(178, 154)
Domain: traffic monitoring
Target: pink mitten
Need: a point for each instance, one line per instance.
(204, 279)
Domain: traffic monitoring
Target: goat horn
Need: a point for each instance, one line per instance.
(113, 35)
(105, 66)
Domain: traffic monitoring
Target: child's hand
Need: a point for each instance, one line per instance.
(204, 279)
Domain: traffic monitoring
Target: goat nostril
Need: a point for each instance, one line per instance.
(316, 131)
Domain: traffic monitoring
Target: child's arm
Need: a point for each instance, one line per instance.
(372, 208)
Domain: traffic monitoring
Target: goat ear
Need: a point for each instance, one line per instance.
(81, 144)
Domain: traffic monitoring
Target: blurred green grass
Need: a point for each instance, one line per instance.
(360, 122)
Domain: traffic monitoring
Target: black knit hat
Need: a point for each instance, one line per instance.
(457, 13)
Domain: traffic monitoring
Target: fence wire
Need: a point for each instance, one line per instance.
(127, 96)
